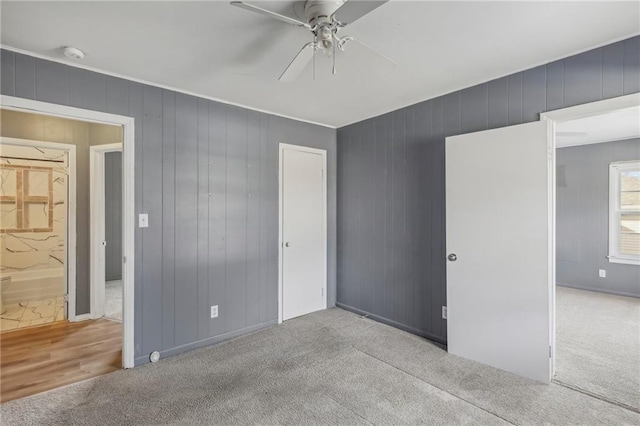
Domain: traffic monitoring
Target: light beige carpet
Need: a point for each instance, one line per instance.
(113, 300)
(598, 344)
(330, 367)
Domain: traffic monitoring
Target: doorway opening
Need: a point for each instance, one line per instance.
(106, 231)
(46, 152)
(597, 292)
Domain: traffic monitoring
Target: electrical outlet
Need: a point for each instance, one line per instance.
(214, 311)
(444, 312)
(602, 273)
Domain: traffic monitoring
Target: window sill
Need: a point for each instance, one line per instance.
(624, 260)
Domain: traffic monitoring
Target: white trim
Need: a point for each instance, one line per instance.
(593, 108)
(97, 231)
(558, 116)
(70, 223)
(602, 140)
(159, 85)
(128, 208)
(615, 212)
(83, 317)
(323, 153)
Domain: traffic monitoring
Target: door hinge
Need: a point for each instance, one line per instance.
(65, 298)
(322, 173)
(550, 351)
(124, 259)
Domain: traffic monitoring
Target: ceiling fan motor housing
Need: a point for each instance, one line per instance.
(318, 12)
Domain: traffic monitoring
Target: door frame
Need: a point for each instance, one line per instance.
(70, 223)
(128, 207)
(281, 149)
(558, 116)
(97, 183)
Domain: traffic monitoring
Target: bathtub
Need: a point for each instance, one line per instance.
(30, 285)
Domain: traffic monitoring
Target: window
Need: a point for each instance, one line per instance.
(624, 212)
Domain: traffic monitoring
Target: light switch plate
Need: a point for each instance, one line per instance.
(143, 220)
(602, 273)
(214, 311)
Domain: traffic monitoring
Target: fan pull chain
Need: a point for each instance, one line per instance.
(315, 47)
(333, 71)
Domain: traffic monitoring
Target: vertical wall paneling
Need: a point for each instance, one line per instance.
(236, 217)
(117, 100)
(555, 85)
(152, 205)
(612, 70)
(253, 220)
(87, 89)
(136, 111)
(207, 175)
(51, 82)
(534, 93)
(514, 104)
(217, 215)
(498, 103)
(168, 189)
(583, 78)
(475, 108)
(8, 72)
(582, 218)
(407, 147)
(203, 309)
(631, 67)
(25, 77)
(113, 215)
(186, 220)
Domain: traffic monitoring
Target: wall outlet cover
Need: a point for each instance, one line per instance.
(444, 312)
(214, 311)
(602, 273)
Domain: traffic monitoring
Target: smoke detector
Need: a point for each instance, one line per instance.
(73, 53)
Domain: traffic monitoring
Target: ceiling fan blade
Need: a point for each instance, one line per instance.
(269, 13)
(298, 64)
(352, 10)
(347, 40)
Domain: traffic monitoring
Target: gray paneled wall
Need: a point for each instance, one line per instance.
(391, 188)
(207, 175)
(113, 215)
(582, 218)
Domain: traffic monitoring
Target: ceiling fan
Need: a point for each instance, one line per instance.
(324, 19)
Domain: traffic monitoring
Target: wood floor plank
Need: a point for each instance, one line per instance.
(38, 359)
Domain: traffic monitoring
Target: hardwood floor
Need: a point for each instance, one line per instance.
(37, 359)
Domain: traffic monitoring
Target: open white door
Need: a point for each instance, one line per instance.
(303, 215)
(499, 189)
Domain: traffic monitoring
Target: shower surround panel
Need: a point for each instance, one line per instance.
(33, 195)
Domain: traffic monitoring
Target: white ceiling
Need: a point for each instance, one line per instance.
(610, 127)
(223, 52)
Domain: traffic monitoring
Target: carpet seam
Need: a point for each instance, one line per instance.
(437, 387)
(596, 396)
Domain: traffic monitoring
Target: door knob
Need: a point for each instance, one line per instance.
(452, 257)
(287, 244)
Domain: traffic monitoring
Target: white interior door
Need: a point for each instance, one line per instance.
(303, 230)
(499, 192)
